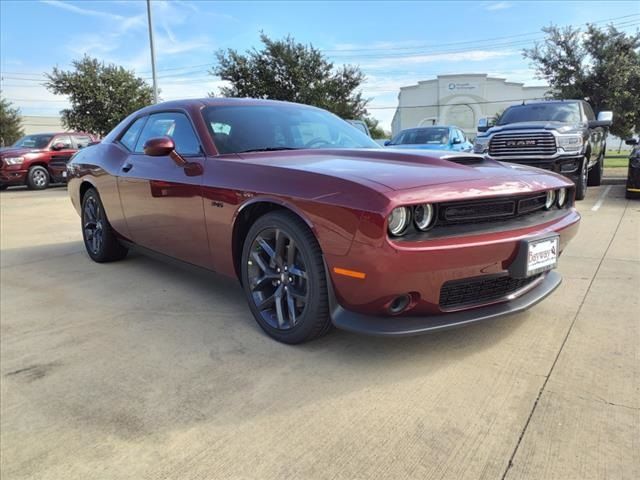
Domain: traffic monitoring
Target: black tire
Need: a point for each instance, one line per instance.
(632, 195)
(302, 289)
(581, 181)
(595, 174)
(38, 178)
(100, 240)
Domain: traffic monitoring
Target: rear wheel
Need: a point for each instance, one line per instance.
(38, 178)
(581, 181)
(99, 238)
(284, 279)
(595, 174)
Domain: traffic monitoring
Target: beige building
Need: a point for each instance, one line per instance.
(458, 100)
(36, 124)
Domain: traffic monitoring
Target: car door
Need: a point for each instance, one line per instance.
(61, 149)
(161, 200)
(596, 134)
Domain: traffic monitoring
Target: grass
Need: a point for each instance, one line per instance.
(613, 159)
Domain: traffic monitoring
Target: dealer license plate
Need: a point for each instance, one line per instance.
(542, 255)
(64, 174)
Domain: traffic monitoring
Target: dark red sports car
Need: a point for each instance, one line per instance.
(321, 225)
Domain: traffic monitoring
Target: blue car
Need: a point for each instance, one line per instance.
(432, 138)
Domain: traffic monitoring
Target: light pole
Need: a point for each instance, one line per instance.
(153, 54)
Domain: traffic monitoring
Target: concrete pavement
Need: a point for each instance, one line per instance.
(139, 369)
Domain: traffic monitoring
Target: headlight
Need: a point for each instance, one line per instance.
(570, 142)
(398, 220)
(14, 160)
(562, 197)
(481, 145)
(551, 198)
(423, 216)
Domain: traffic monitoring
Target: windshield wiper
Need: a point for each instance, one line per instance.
(268, 149)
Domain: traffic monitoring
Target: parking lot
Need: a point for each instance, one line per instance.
(139, 369)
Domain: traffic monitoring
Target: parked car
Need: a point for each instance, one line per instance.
(360, 125)
(39, 159)
(319, 223)
(562, 135)
(432, 138)
(633, 173)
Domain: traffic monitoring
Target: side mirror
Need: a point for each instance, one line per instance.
(605, 116)
(631, 141)
(58, 146)
(159, 147)
(485, 123)
(387, 143)
(163, 147)
(456, 141)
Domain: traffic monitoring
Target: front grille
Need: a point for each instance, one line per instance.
(520, 143)
(487, 210)
(478, 291)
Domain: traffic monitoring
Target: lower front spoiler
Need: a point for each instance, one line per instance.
(405, 326)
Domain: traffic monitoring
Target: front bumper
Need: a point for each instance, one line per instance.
(406, 326)
(565, 164)
(13, 177)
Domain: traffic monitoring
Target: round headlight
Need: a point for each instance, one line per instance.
(398, 220)
(423, 216)
(562, 197)
(551, 198)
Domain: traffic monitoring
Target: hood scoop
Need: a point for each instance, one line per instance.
(465, 160)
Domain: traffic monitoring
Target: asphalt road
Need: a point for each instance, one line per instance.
(139, 370)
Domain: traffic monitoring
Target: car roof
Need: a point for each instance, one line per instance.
(219, 101)
(428, 127)
(539, 102)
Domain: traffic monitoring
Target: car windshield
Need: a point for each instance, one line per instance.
(541, 112)
(251, 128)
(432, 136)
(34, 141)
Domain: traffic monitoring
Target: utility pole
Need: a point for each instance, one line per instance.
(153, 54)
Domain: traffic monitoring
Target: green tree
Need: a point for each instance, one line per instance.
(599, 65)
(10, 123)
(100, 95)
(294, 72)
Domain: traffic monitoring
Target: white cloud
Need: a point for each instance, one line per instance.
(493, 6)
(414, 60)
(82, 11)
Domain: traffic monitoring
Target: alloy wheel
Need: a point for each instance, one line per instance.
(93, 225)
(277, 278)
(39, 178)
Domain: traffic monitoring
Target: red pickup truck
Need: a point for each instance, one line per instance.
(40, 159)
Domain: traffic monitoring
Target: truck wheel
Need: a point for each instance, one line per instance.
(581, 181)
(37, 178)
(284, 279)
(595, 174)
(99, 238)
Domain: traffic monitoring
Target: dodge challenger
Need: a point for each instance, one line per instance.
(319, 224)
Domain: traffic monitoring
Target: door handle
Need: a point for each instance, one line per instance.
(126, 167)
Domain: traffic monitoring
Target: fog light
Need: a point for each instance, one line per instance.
(551, 198)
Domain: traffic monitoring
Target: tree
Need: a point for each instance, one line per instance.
(599, 65)
(100, 95)
(10, 123)
(291, 71)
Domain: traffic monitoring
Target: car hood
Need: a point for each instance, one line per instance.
(424, 146)
(16, 151)
(558, 126)
(400, 170)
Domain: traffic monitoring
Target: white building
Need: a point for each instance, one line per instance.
(458, 100)
(36, 124)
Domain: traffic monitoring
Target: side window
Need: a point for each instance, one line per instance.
(131, 135)
(63, 139)
(170, 124)
(81, 141)
(461, 136)
(588, 111)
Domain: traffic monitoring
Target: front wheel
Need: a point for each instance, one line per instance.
(581, 180)
(284, 279)
(37, 178)
(99, 238)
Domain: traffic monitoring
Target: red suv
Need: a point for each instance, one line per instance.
(39, 159)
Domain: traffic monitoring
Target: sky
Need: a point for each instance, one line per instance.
(394, 43)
